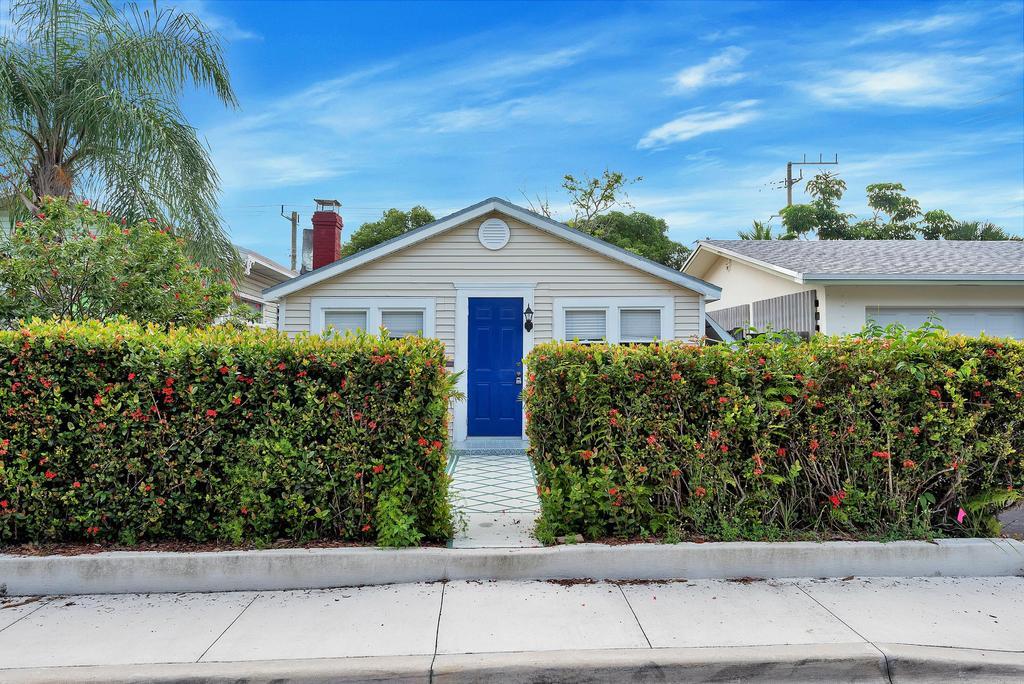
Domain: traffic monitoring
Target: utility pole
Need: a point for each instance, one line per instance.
(790, 181)
(294, 218)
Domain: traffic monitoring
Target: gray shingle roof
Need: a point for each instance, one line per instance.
(825, 259)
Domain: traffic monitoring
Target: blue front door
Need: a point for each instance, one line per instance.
(495, 373)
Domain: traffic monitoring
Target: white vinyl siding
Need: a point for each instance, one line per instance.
(586, 325)
(556, 268)
(402, 323)
(345, 320)
(639, 325)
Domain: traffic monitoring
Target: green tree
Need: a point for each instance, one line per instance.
(590, 200)
(895, 216)
(393, 223)
(640, 233)
(89, 105)
(71, 261)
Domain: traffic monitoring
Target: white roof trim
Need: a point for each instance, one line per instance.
(729, 254)
(428, 231)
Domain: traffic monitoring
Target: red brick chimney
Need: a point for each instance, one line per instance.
(327, 225)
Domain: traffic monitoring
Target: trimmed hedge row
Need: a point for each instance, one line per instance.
(121, 433)
(906, 434)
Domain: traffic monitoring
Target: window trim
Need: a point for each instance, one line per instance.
(319, 306)
(612, 307)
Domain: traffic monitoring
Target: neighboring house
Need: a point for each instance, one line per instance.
(491, 281)
(836, 286)
(259, 273)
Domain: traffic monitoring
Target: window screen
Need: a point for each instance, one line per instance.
(344, 321)
(639, 325)
(586, 325)
(402, 323)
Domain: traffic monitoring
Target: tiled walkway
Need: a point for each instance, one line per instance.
(495, 491)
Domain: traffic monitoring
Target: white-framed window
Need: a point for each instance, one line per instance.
(401, 316)
(614, 319)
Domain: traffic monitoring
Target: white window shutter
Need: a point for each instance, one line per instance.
(639, 325)
(402, 323)
(344, 321)
(586, 325)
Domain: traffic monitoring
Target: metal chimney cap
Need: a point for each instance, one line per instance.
(327, 204)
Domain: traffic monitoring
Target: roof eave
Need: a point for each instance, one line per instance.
(922, 278)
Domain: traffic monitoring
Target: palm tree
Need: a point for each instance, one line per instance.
(89, 108)
(759, 231)
(976, 230)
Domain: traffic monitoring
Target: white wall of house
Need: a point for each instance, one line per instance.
(250, 289)
(552, 268)
(848, 305)
(742, 283)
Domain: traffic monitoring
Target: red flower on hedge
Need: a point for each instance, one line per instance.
(677, 377)
(372, 424)
(724, 449)
(613, 491)
(652, 439)
(814, 445)
(366, 528)
(884, 455)
(131, 376)
(211, 413)
(436, 444)
(909, 464)
(49, 474)
(236, 400)
(713, 434)
(281, 366)
(712, 382)
(4, 504)
(76, 484)
(223, 370)
(935, 393)
(676, 472)
(378, 469)
(422, 441)
(586, 454)
(916, 430)
(357, 416)
(97, 400)
(781, 451)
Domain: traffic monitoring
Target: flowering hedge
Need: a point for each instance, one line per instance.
(121, 433)
(902, 435)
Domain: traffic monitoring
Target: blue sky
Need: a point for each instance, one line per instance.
(396, 104)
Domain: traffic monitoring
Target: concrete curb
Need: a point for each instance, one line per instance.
(857, 662)
(153, 572)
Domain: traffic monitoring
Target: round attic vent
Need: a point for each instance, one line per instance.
(493, 233)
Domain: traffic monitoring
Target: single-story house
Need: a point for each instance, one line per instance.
(837, 286)
(258, 273)
(491, 281)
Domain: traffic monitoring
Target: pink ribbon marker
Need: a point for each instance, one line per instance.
(960, 516)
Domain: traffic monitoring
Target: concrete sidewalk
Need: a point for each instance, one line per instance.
(870, 629)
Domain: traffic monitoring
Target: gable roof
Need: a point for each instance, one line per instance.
(250, 257)
(864, 260)
(712, 292)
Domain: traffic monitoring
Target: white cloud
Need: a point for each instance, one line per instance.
(718, 70)
(919, 26)
(908, 81)
(698, 122)
(227, 27)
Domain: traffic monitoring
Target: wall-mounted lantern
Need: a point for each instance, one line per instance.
(528, 319)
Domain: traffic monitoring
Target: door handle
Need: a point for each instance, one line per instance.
(519, 377)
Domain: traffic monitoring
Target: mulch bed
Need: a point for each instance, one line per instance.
(69, 549)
